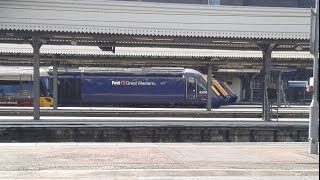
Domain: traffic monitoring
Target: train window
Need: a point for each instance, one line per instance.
(192, 88)
(9, 88)
(191, 80)
(44, 87)
(9, 82)
(201, 87)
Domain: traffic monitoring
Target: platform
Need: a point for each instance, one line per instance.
(147, 129)
(227, 111)
(158, 161)
(233, 123)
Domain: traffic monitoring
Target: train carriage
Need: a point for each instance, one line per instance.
(225, 91)
(133, 87)
(16, 87)
(232, 96)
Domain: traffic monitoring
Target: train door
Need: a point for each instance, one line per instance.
(191, 88)
(69, 90)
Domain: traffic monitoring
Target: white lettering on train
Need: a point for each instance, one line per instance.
(133, 83)
(8, 102)
(115, 83)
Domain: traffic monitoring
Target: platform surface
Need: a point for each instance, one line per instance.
(243, 115)
(228, 111)
(158, 161)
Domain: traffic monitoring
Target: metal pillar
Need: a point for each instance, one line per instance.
(241, 89)
(36, 44)
(266, 51)
(209, 84)
(55, 85)
(279, 89)
(251, 90)
(314, 107)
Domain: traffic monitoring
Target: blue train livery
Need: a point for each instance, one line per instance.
(133, 87)
(225, 91)
(232, 97)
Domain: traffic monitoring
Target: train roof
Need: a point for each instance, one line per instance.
(17, 73)
(163, 71)
(25, 73)
(193, 71)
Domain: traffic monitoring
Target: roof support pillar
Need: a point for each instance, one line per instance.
(266, 51)
(279, 89)
(251, 89)
(209, 84)
(36, 44)
(55, 85)
(314, 106)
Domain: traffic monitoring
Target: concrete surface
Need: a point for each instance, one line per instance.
(141, 129)
(157, 161)
(229, 111)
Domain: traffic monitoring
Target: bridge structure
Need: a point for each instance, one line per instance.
(110, 25)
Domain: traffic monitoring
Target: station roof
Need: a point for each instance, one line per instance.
(123, 23)
(147, 52)
(21, 54)
(156, 19)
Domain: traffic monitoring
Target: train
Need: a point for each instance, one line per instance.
(225, 91)
(153, 87)
(16, 87)
(173, 87)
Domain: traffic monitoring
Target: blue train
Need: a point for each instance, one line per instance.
(231, 96)
(224, 91)
(133, 87)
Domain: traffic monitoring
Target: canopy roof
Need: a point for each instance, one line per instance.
(123, 23)
(146, 52)
(21, 54)
(155, 19)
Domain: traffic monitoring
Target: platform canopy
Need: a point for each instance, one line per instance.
(123, 23)
(69, 55)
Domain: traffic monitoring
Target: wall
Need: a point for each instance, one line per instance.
(235, 133)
